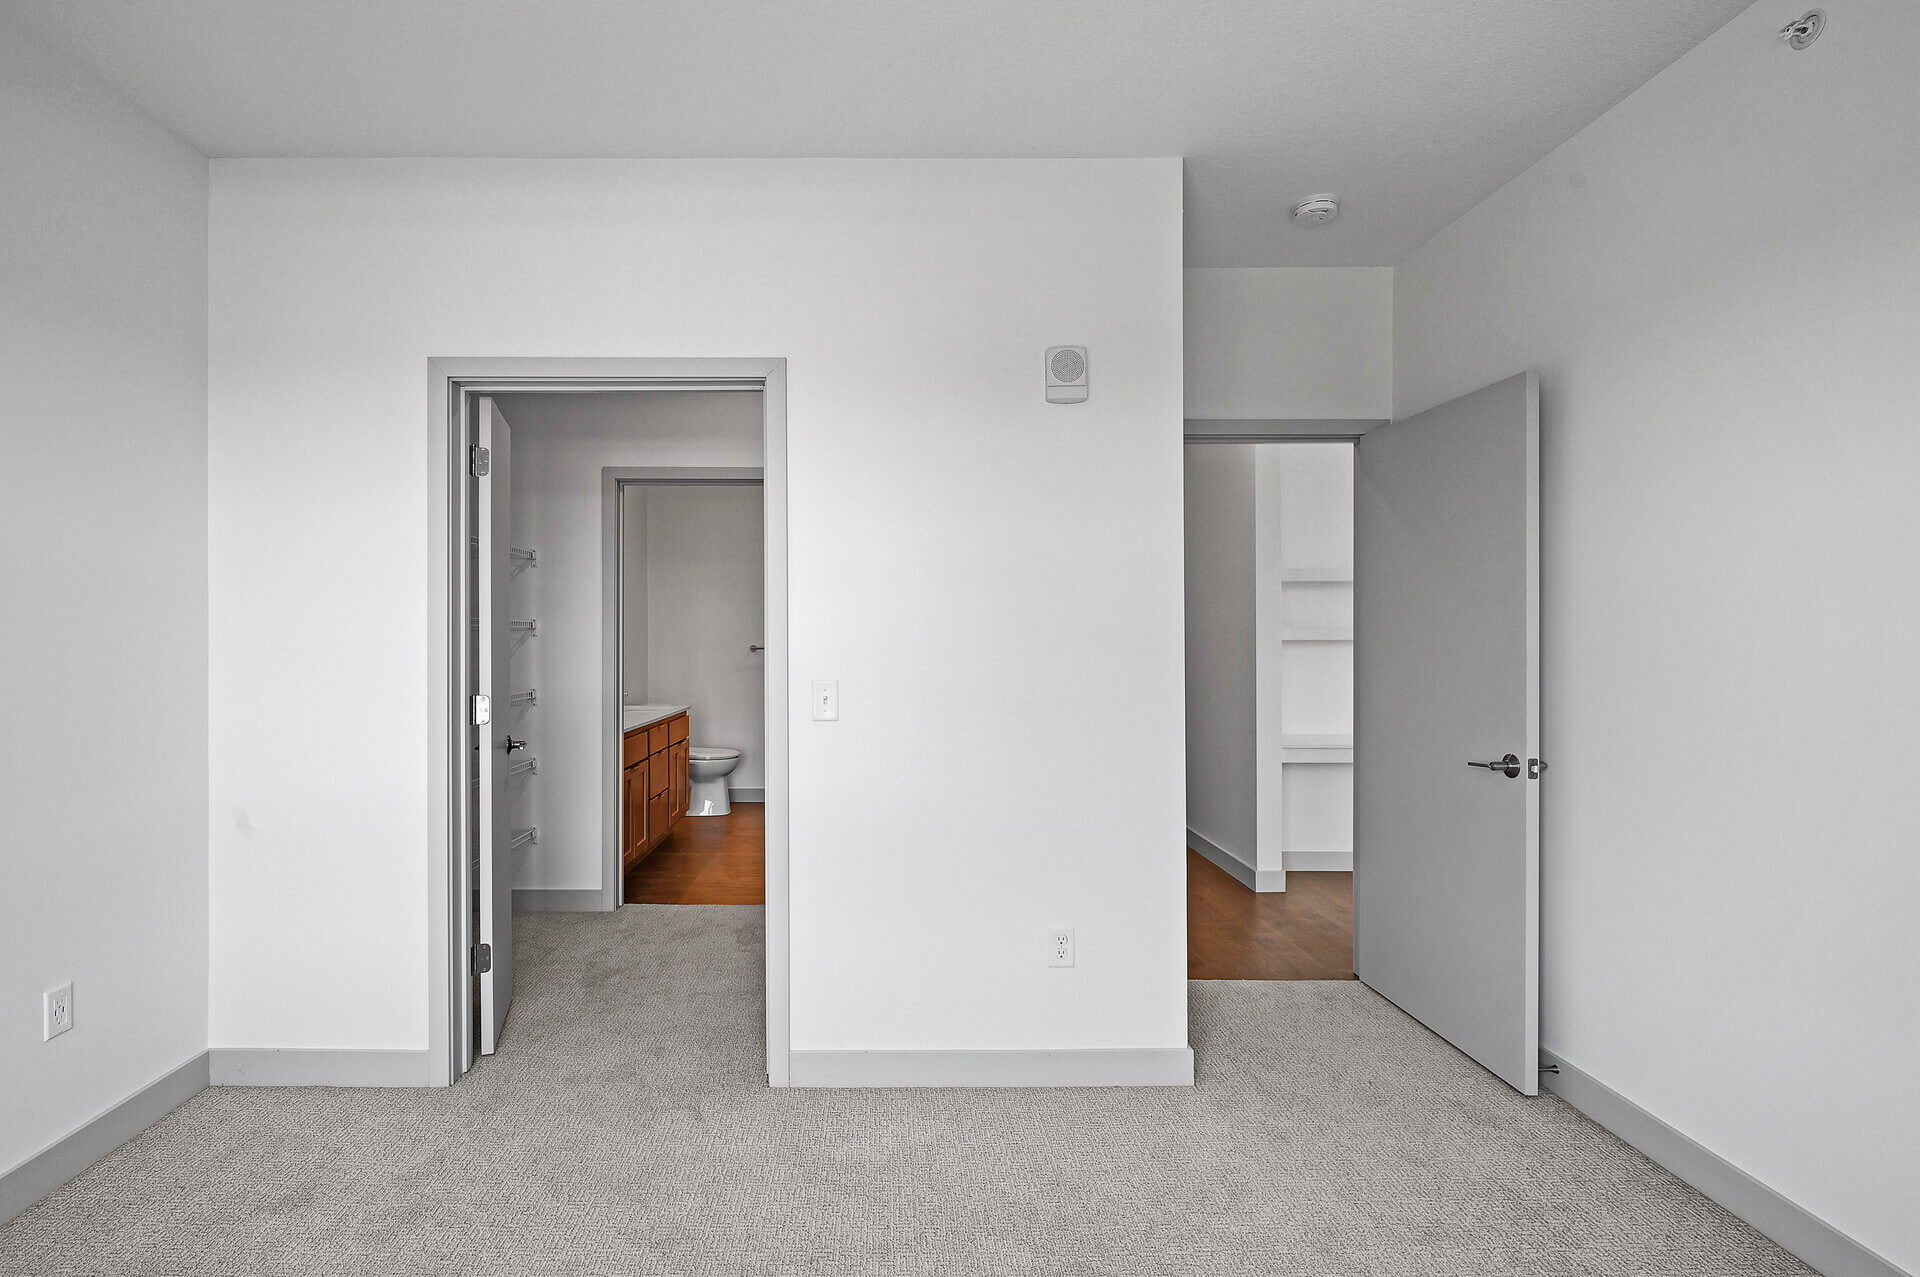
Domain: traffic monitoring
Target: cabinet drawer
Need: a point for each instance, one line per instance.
(677, 729)
(659, 773)
(656, 738)
(633, 748)
(657, 815)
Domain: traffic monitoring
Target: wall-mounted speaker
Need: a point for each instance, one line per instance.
(1066, 374)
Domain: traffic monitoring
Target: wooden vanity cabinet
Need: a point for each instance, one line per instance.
(655, 787)
(679, 780)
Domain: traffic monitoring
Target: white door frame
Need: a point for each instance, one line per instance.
(450, 383)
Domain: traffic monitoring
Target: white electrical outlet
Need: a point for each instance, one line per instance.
(59, 1009)
(1060, 947)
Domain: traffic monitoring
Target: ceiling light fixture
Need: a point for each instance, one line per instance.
(1316, 210)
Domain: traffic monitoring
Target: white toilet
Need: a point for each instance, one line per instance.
(709, 766)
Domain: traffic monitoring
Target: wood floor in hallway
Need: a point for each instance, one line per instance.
(707, 860)
(1303, 933)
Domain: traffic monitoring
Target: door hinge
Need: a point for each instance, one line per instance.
(482, 959)
(482, 461)
(482, 710)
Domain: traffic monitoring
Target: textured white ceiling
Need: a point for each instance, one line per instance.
(1412, 110)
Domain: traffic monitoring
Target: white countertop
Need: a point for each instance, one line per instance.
(632, 716)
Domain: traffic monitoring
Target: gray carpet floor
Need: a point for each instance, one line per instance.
(626, 1127)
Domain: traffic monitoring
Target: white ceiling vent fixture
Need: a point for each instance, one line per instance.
(1066, 374)
(1316, 210)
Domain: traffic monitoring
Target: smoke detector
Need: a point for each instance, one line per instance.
(1316, 210)
(1805, 29)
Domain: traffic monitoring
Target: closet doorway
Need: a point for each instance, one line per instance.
(473, 562)
(1437, 604)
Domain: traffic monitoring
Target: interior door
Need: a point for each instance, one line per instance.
(492, 741)
(1446, 866)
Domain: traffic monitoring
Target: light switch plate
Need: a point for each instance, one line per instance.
(826, 700)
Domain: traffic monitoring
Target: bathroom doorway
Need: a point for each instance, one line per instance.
(686, 607)
(517, 558)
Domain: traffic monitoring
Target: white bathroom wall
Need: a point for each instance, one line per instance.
(1718, 283)
(706, 583)
(961, 553)
(103, 770)
(633, 596)
(561, 443)
(1221, 662)
(1313, 342)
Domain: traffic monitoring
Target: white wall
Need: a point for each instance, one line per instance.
(633, 595)
(706, 584)
(961, 553)
(1270, 342)
(1719, 285)
(103, 775)
(561, 443)
(1221, 657)
(1260, 343)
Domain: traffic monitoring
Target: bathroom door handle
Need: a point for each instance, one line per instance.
(1509, 765)
(513, 744)
(755, 647)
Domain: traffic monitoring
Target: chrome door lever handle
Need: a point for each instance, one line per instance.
(513, 744)
(755, 647)
(1510, 765)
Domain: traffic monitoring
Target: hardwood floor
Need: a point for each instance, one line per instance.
(706, 860)
(1302, 933)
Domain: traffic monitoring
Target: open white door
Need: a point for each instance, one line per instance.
(492, 743)
(1446, 864)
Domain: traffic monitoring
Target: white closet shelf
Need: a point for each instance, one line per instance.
(1316, 749)
(1329, 575)
(1316, 634)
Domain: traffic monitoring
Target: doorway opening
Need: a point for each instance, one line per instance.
(531, 800)
(687, 606)
(1270, 595)
(1368, 603)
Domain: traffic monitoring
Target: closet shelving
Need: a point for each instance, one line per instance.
(524, 597)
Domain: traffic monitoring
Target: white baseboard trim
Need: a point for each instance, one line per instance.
(1140, 1066)
(86, 1144)
(559, 900)
(1249, 877)
(747, 795)
(1817, 1243)
(269, 1066)
(1318, 861)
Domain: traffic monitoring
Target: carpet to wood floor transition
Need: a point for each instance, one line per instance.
(626, 1127)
